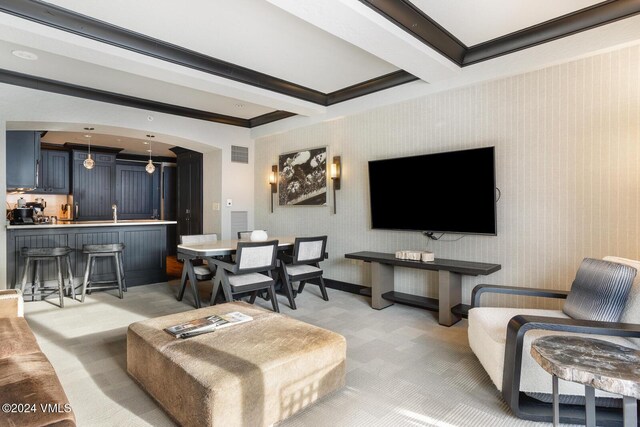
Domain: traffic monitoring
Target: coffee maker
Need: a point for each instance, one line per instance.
(21, 216)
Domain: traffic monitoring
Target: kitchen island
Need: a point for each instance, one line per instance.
(144, 255)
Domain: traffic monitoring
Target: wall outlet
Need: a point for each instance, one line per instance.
(216, 206)
(229, 202)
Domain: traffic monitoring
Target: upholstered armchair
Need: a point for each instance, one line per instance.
(604, 300)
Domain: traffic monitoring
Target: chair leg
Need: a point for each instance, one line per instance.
(60, 281)
(183, 280)
(35, 284)
(286, 285)
(70, 277)
(87, 273)
(116, 258)
(274, 301)
(92, 270)
(301, 286)
(122, 276)
(253, 297)
(25, 274)
(323, 289)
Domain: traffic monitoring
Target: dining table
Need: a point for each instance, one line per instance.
(193, 253)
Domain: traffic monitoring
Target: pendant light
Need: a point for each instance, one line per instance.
(88, 162)
(150, 168)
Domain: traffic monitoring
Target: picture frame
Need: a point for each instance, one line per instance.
(302, 177)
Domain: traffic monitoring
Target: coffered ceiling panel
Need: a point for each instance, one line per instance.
(249, 33)
(251, 62)
(473, 22)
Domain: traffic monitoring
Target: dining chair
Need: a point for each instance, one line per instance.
(250, 273)
(304, 264)
(203, 270)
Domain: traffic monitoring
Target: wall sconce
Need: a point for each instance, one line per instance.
(273, 181)
(335, 177)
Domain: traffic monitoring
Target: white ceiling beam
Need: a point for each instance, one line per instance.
(41, 37)
(359, 25)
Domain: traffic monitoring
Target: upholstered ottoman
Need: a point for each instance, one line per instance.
(250, 374)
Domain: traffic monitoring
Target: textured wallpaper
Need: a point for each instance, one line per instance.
(567, 144)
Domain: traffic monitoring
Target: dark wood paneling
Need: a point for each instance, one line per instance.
(94, 189)
(415, 22)
(144, 254)
(134, 191)
(370, 86)
(189, 193)
(269, 117)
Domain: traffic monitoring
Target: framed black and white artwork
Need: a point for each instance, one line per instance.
(302, 179)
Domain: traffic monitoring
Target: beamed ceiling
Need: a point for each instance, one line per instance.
(251, 62)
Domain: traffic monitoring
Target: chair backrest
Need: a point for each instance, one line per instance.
(599, 291)
(190, 239)
(309, 250)
(254, 257)
(246, 235)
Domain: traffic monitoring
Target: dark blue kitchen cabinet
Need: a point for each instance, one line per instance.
(137, 192)
(23, 159)
(93, 189)
(53, 172)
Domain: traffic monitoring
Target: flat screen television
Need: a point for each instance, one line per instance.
(449, 192)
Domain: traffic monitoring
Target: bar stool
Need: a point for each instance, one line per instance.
(114, 251)
(37, 256)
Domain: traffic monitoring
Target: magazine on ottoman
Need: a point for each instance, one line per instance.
(207, 324)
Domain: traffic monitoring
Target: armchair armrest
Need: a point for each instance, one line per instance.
(521, 324)
(11, 303)
(285, 257)
(229, 266)
(514, 290)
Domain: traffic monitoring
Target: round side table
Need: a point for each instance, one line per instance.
(595, 363)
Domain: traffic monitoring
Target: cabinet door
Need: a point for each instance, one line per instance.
(94, 189)
(23, 159)
(137, 191)
(189, 197)
(55, 171)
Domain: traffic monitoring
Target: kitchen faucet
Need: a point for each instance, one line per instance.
(114, 207)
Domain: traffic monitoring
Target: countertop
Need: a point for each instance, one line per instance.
(119, 223)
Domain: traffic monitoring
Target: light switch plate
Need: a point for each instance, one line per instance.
(229, 202)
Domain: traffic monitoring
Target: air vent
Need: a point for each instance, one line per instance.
(239, 221)
(239, 154)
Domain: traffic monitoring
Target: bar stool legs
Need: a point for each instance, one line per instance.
(33, 259)
(113, 251)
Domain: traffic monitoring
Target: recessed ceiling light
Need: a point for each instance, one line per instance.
(145, 142)
(23, 54)
(239, 105)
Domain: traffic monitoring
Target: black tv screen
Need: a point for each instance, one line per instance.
(450, 192)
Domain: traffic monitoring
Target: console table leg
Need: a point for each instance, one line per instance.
(590, 406)
(449, 295)
(381, 282)
(630, 411)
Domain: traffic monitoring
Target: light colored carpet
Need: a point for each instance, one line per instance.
(403, 368)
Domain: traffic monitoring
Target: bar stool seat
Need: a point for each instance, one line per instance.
(36, 256)
(113, 250)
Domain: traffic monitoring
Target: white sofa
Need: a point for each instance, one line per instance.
(501, 340)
